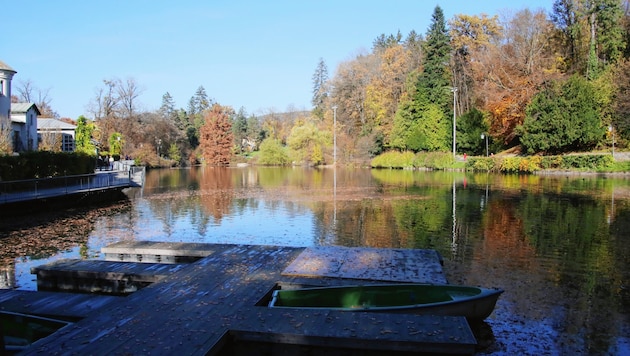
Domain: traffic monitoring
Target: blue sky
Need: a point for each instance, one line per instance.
(260, 55)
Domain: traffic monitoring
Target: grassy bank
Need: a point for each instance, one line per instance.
(603, 163)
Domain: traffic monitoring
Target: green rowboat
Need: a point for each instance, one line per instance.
(19, 331)
(472, 302)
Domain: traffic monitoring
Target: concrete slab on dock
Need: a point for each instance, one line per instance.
(158, 252)
(219, 302)
(390, 265)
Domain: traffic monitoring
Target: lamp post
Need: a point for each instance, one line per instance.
(611, 129)
(454, 90)
(484, 135)
(335, 135)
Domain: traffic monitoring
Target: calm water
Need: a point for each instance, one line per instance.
(559, 246)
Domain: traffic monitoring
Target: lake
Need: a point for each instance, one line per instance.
(559, 245)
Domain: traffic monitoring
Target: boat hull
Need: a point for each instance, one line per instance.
(472, 302)
(19, 331)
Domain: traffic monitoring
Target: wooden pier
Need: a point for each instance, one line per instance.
(89, 276)
(67, 306)
(217, 306)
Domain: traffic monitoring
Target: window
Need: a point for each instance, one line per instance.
(67, 144)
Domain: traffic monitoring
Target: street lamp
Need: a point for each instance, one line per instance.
(484, 135)
(334, 135)
(454, 90)
(612, 131)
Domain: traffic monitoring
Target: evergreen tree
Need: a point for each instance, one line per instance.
(320, 92)
(239, 128)
(563, 117)
(470, 126)
(435, 79)
(422, 122)
(610, 32)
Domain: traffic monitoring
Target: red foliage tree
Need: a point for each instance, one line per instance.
(216, 139)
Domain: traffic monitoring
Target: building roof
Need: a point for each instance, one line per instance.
(5, 67)
(22, 108)
(53, 124)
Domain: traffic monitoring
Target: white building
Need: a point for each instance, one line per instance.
(24, 124)
(6, 74)
(60, 132)
(22, 117)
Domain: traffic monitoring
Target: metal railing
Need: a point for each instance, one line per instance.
(32, 189)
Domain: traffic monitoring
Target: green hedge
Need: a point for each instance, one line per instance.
(532, 164)
(408, 159)
(394, 159)
(40, 164)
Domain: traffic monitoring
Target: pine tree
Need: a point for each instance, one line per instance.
(435, 80)
(320, 92)
(239, 128)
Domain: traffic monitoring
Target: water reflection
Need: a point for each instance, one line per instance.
(557, 245)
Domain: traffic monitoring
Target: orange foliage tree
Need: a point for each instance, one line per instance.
(508, 70)
(216, 139)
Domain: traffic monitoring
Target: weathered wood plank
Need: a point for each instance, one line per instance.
(52, 304)
(93, 276)
(359, 330)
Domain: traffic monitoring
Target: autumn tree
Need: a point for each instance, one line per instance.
(510, 69)
(216, 139)
(386, 88)
(471, 39)
(307, 143)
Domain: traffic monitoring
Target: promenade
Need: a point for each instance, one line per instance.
(121, 176)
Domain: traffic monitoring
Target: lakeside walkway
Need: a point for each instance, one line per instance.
(122, 176)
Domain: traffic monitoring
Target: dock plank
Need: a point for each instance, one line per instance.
(213, 303)
(54, 304)
(95, 276)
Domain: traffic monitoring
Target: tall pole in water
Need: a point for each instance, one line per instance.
(334, 135)
(454, 90)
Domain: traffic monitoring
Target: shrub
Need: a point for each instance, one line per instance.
(434, 160)
(393, 159)
(483, 164)
(40, 164)
(510, 165)
(272, 153)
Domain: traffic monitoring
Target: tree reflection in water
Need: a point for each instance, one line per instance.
(557, 245)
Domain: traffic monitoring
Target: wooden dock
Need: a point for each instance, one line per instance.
(158, 252)
(90, 276)
(67, 306)
(217, 306)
